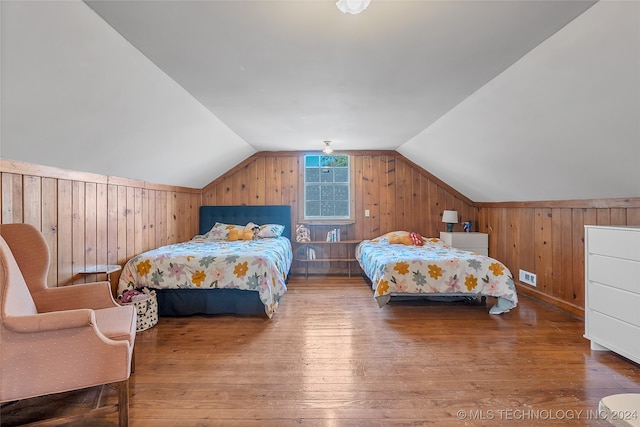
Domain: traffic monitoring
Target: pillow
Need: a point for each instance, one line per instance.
(220, 231)
(264, 231)
(382, 238)
(416, 239)
(399, 237)
(405, 238)
(270, 230)
(236, 234)
(385, 237)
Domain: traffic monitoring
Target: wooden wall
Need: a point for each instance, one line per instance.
(398, 194)
(547, 238)
(93, 219)
(90, 219)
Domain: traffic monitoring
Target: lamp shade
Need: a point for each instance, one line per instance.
(450, 217)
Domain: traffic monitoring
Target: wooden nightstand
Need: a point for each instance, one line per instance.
(473, 242)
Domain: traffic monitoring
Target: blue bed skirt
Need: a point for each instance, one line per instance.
(188, 302)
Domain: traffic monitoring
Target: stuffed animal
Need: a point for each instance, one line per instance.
(132, 295)
(405, 238)
(302, 234)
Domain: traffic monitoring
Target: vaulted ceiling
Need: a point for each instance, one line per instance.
(503, 100)
(288, 75)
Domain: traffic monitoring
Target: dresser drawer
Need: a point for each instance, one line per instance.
(621, 337)
(617, 243)
(466, 241)
(615, 303)
(615, 272)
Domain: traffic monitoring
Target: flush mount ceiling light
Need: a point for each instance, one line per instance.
(327, 148)
(352, 6)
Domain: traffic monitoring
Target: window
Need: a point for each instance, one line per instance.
(327, 187)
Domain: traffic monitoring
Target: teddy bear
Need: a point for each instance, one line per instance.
(302, 233)
(256, 232)
(132, 295)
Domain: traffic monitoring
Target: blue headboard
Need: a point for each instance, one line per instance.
(241, 215)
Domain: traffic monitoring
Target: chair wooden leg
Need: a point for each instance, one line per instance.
(123, 403)
(133, 360)
(89, 417)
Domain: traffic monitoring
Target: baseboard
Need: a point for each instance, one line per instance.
(556, 302)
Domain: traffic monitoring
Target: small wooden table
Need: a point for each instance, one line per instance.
(102, 269)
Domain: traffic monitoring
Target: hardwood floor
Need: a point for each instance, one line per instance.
(331, 357)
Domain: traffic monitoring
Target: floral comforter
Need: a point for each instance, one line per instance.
(434, 269)
(258, 265)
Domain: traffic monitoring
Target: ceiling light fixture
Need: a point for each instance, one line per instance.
(327, 148)
(352, 6)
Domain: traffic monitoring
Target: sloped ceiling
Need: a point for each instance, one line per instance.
(561, 123)
(76, 95)
(508, 100)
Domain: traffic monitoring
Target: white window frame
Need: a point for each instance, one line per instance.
(350, 186)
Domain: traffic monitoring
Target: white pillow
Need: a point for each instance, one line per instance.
(220, 231)
(270, 230)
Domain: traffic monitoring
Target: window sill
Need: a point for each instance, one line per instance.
(327, 222)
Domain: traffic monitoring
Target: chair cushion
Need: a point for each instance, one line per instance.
(17, 300)
(31, 253)
(117, 323)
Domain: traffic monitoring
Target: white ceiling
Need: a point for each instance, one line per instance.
(286, 75)
(503, 100)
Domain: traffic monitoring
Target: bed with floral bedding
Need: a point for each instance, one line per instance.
(433, 269)
(239, 264)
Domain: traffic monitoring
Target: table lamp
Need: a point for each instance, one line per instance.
(451, 218)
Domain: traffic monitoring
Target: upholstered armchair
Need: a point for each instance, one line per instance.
(58, 339)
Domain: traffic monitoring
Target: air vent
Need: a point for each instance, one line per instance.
(528, 278)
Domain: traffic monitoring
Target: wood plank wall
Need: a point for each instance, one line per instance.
(399, 194)
(547, 238)
(90, 219)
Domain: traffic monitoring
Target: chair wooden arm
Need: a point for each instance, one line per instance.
(90, 295)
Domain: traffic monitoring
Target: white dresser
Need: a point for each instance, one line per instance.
(473, 242)
(612, 298)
